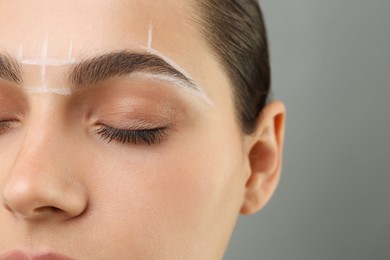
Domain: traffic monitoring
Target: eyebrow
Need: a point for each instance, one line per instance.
(10, 69)
(91, 71)
(150, 64)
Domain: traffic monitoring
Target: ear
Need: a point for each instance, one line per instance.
(264, 154)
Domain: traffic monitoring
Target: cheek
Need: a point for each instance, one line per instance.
(188, 188)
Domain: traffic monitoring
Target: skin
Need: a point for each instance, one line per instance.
(64, 189)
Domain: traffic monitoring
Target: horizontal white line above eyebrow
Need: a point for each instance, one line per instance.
(48, 62)
(47, 90)
(183, 84)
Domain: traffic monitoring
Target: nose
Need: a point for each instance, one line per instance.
(37, 198)
(41, 184)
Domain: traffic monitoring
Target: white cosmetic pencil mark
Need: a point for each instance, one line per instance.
(150, 36)
(170, 62)
(47, 90)
(164, 77)
(150, 50)
(52, 62)
(182, 71)
(43, 63)
(70, 50)
(43, 60)
(49, 62)
(178, 82)
(19, 53)
(174, 80)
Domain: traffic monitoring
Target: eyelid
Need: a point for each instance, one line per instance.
(9, 118)
(5, 125)
(140, 136)
(133, 124)
(134, 120)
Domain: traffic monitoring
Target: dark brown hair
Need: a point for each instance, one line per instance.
(236, 32)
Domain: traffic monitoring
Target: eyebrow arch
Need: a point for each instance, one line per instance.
(10, 69)
(122, 63)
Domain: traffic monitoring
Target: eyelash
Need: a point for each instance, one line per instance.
(4, 125)
(143, 136)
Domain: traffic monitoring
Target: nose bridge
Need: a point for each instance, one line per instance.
(41, 181)
(41, 144)
(49, 64)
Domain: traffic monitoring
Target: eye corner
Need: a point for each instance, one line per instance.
(7, 125)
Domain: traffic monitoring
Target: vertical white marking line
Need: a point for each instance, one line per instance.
(150, 36)
(182, 71)
(44, 60)
(150, 50)
(70, 51)
(19, 53)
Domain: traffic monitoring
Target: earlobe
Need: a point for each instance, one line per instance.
(264, 155)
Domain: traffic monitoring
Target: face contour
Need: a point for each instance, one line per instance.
(145, 162)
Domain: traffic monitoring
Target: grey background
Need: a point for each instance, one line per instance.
(331, 66)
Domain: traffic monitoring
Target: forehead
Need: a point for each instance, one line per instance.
(98, 26)
(101, 24)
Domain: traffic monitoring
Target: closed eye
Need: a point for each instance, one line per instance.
(142, 136)
(5, 125)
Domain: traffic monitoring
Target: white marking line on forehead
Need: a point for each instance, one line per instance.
(19, 53)
(43, 60)
(150, 36)
(43, 63)
(174, 65)
(70, 50)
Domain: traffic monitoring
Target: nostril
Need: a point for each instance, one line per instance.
(41, 198)
(47, 209)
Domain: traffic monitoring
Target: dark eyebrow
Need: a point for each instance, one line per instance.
(122, 63)
(10, 69)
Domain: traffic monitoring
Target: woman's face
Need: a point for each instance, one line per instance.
(118, 136)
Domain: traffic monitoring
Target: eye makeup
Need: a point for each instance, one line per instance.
(129, 115)
(133, 128)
